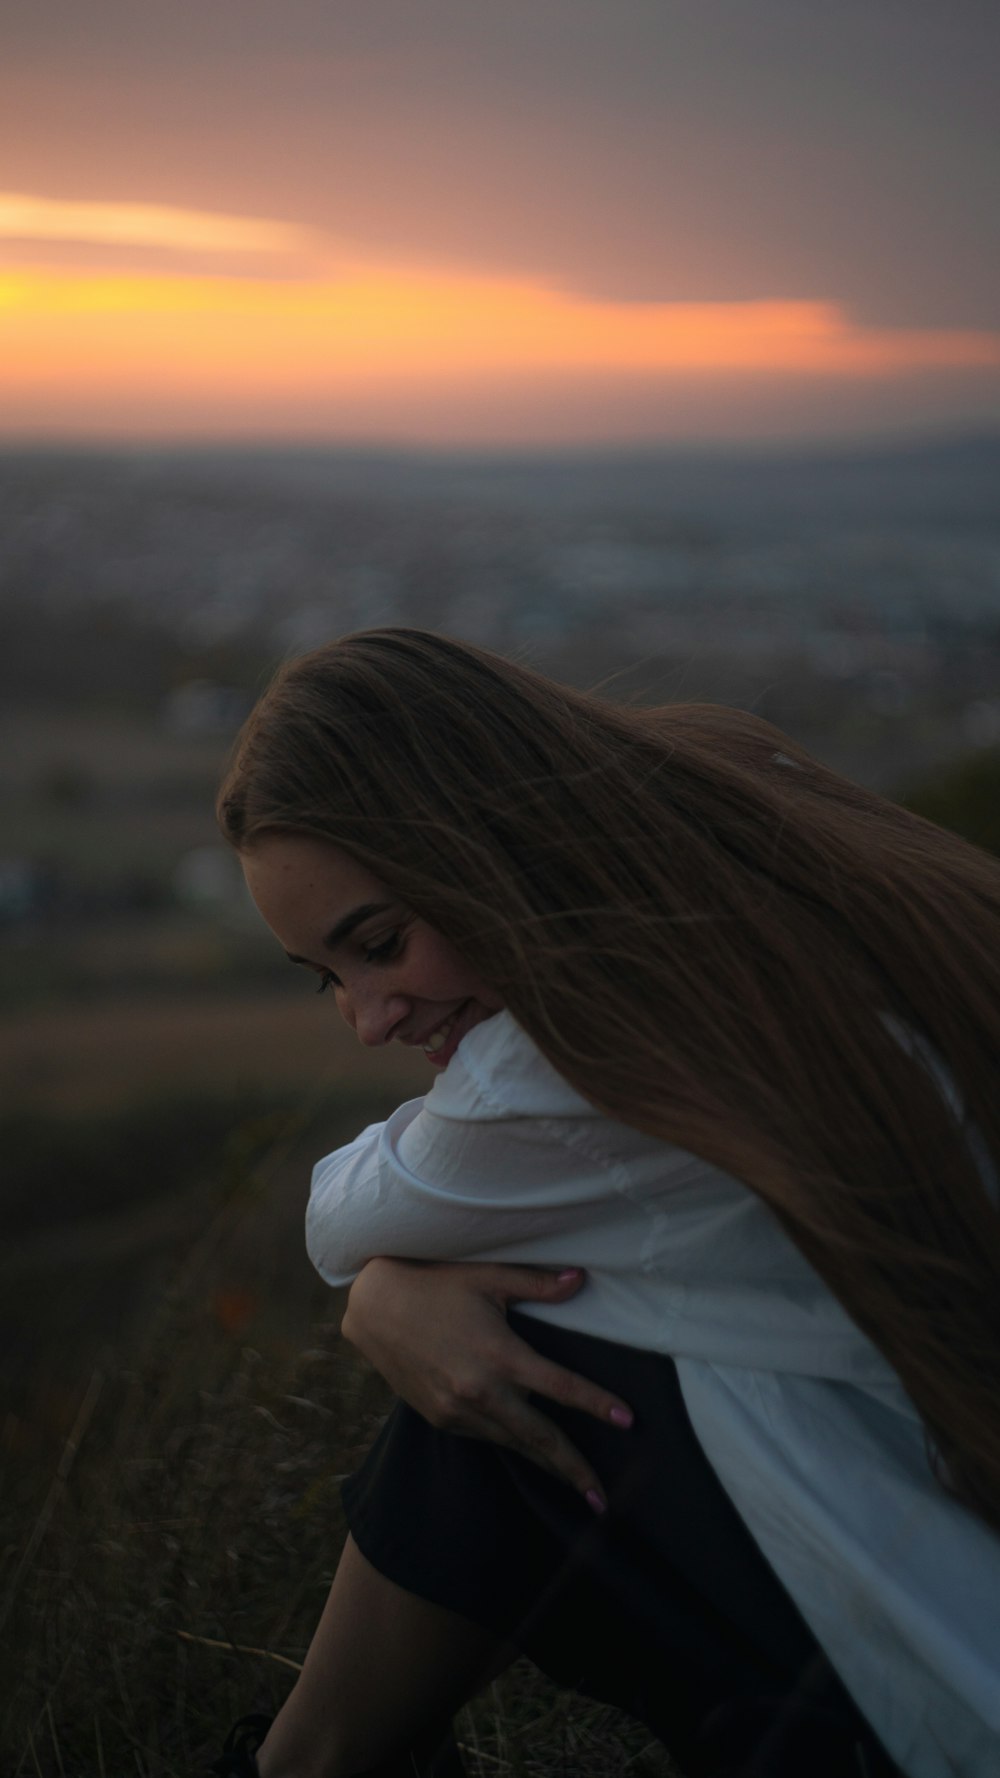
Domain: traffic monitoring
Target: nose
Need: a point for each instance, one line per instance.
(372, 1016)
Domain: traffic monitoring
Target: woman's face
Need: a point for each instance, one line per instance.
(395, 978)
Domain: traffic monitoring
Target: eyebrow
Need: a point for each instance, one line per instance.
(346, 926)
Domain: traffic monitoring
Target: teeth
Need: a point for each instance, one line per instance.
(439, 1039)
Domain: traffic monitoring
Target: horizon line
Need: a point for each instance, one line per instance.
(953, 435)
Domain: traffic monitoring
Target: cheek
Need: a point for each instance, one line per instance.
(449, 977)
(474, 988)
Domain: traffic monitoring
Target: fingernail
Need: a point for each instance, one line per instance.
(570, 1272)
(596, 1502)
(621, 1417)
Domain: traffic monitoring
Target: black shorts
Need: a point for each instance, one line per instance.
(664, 1607)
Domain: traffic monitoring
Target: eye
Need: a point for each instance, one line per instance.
(385, 950)
(327, 980)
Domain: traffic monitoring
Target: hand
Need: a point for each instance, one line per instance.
(439, 1336)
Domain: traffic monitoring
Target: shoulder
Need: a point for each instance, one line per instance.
(498, 1072)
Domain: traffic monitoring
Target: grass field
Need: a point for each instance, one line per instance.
(169, 1508)
(176, 1404)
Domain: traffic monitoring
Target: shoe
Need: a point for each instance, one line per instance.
(244, 1738)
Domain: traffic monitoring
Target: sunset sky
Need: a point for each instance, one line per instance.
(537, 221)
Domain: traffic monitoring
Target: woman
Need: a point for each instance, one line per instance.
(665, 960)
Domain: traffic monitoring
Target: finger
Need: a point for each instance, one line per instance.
(542, 1377)
(538, 1438)
(518, 1284)
(529, 1371)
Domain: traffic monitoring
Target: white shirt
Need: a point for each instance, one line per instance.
(807, 1427)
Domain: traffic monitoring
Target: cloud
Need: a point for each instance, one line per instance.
(409, 322)
(27, 218)
(344, 346)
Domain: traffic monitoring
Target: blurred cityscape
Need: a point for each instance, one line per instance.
(854, 599)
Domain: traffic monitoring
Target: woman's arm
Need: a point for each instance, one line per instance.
(438, 1332)
(440, 1337)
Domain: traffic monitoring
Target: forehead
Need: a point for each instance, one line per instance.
(295, 878)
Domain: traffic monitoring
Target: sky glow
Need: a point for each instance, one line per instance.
(605, 221)
(26, 218)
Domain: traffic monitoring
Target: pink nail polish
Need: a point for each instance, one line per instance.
(595, 1502)
(565, 1276)
(621, 1417)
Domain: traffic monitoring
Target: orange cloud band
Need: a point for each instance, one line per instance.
(85, 330)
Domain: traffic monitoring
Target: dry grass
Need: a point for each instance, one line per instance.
(162, 1577)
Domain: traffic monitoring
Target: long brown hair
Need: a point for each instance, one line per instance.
(704, 929)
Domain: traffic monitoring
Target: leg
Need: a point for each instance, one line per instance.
(383, 1667)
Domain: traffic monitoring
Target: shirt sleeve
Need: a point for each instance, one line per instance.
(516, 1188)
(502, 1163)
(347, 1203)
(483, 1166)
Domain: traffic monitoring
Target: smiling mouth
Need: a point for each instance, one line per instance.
(442, 1042)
